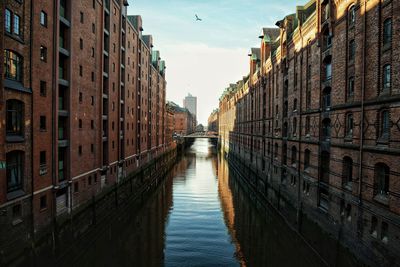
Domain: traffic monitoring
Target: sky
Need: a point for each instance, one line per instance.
(204, 57)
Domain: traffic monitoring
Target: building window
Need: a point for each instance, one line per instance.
(387, 32)
(80, 97)
(80, 70)
(352, 50)
(384, 232)
(7, 20)
(326, 129)
(91, 148)
(14, 118)
(92, 100)
(92, 76)
(374, 226)
(350, 91)
(80, 124)
(294, 126)
(307, 155)
(43, 88)
(347, 172)
(326, 97)
(76, 187)
(13, 65)
(42, 158)
(80, 150)
(43, 202)
(295, 105)
(92, 51)
(43, 53)
(15, 170)
(276, 151)
(42, 123)
(294, 155)
(387, 80)
(16, 25)
(352, 15)
(308, 125)
(81, 43)
(384, 125)
(92, 124)
(93, 28)
(81, 18)
(43, 18)
(381, 183)
(349, 125)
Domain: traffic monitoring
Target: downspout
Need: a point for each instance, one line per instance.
(53, 124)
(300, 204)
(360, 169)
(32, 140)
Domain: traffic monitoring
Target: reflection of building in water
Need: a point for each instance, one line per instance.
(228, 209)
(137, 241)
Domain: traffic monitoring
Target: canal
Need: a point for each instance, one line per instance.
(199, 216)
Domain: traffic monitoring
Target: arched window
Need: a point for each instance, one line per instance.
(285, 129)
(381, 183)
(352, 15)
(326, 129)
(327, 39)
(325, 162)
(347, 172)
(295, 105)
(15, 118)
(328, 68)
(387, 32)
(13, 65)
(307, 155)
(387, 78)
(15, 170)
(294, 128)
(294, 154)
(326, 95)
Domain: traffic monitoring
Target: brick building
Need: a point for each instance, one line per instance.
(184, 121)
(213, 121)
(317, 121)
(82, 104)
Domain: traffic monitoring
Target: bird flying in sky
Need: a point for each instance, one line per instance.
(197, 18)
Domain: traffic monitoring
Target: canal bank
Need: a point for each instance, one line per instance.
(327, 245)
(69, 235)
(199, 215)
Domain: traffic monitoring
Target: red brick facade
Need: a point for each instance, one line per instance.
(318, 117)
(92, 93)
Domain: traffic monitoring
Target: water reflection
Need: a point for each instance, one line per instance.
(200, 216)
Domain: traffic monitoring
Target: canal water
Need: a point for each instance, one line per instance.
(199, 216)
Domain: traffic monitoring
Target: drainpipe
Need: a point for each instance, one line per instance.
(299, 202)
(30, 82)
(360, 169)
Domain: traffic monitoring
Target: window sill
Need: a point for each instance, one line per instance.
(348, 138)
(387, 47)
(16, 85)
(384, 200)
(15, 194)
(14, 37)
(15, 139)
(16, 221)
